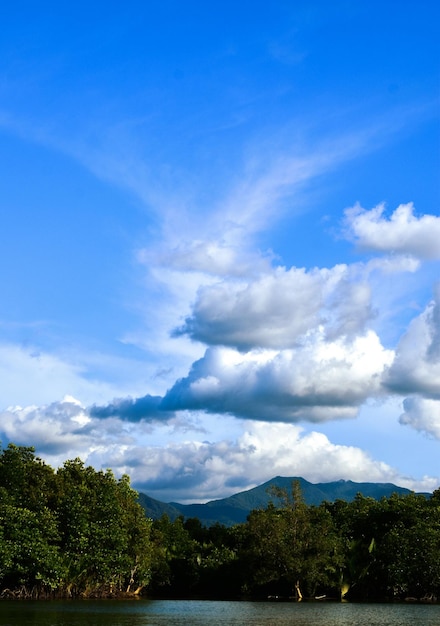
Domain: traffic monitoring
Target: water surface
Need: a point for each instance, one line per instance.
(204, 613)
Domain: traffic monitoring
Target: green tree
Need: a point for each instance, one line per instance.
(26, 479)
(29, 554)
(411, 547)
(358, 536)
(176, 557)
(138, 556)
(105, 534)
(294, 544)
(392, 546)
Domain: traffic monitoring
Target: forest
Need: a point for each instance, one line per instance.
(77, 532)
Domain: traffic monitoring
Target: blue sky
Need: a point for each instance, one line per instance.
(220, 240)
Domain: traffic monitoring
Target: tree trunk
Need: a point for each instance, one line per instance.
(132, 573)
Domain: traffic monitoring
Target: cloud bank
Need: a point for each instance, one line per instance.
(135, 410)
(202, 468)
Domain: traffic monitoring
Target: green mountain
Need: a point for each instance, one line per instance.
(236, 508)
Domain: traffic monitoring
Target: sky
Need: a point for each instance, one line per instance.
(220, 240)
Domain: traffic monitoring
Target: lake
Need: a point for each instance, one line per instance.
(203, 613)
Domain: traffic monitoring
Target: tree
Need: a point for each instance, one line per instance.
(137, 528)
(294, 544)
(358, 536)
(176, 557)
(29, 553)
(30, 560)
(105, 534)
(26, 479)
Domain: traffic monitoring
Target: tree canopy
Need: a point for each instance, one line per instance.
(76, 531)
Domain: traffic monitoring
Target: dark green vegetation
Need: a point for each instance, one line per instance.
(79, 532)
(236, 508)
(72, 532)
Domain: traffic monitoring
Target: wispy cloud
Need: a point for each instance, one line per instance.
(32, 375)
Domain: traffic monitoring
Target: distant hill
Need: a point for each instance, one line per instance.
(236, 508)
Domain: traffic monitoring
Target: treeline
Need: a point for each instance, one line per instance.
(362, 550)
(79, 532)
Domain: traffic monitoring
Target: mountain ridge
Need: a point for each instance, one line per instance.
(235, 509)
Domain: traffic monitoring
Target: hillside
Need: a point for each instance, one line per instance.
(235, 509)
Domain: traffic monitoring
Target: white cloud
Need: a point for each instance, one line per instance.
(422, 414)
(65, 430)
(53, 429)
(205, 471)
(403, 233)
(416, 368)
(276, 309)
(192, 469)
(317, 381)
(416, 371)
(393, 264)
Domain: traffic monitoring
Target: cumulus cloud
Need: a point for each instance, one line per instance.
(54, 428)
(422, 414)
(316, 381)
(214, 470)
(415, 371)
(276, 309)
(401, 233)
(67, 429)
(416, 367)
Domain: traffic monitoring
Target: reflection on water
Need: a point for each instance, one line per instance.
(203, 613)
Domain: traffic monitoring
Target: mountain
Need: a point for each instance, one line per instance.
(155, 508)
(236, 508)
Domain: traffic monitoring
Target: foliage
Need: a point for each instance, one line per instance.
(75, 532)
(293, 544)
(78, 531)
(391, 546)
